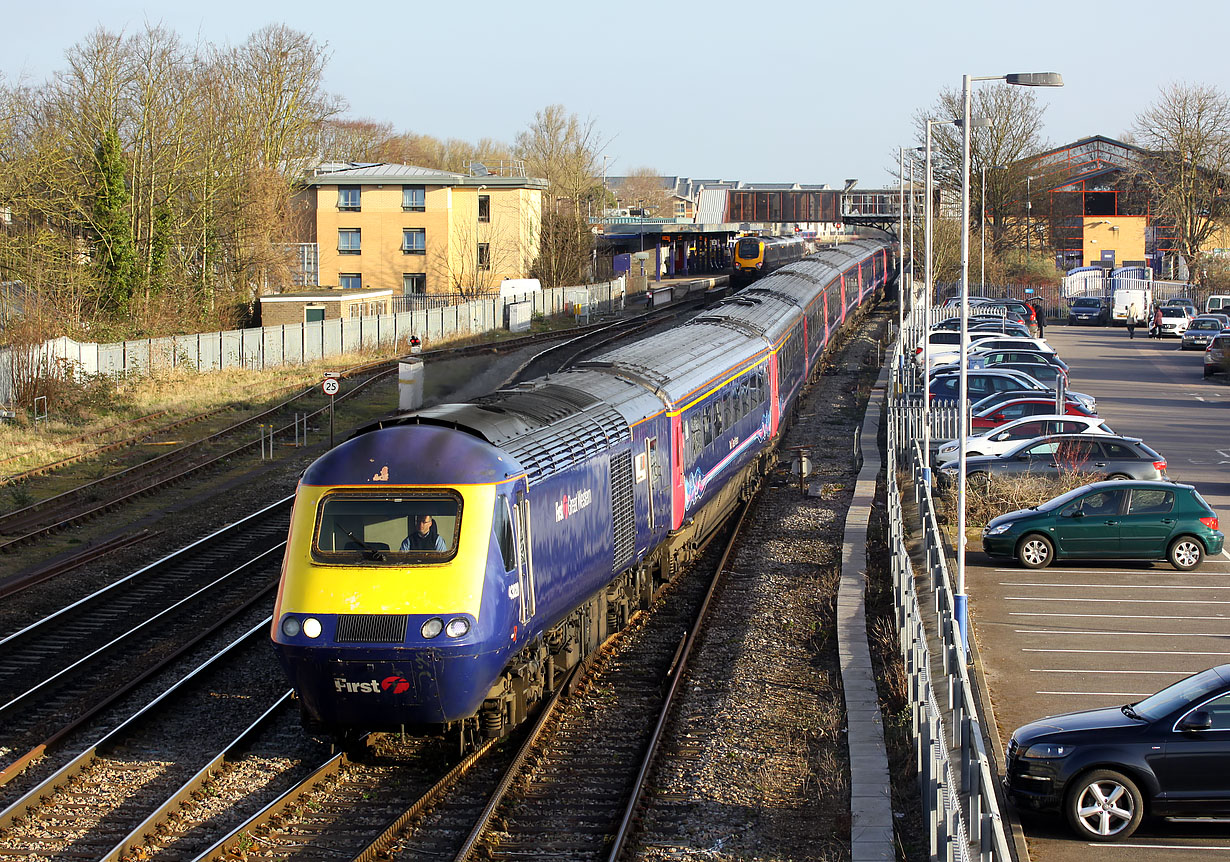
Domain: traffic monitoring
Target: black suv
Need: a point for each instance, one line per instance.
(1106, 768)
(1089, 309)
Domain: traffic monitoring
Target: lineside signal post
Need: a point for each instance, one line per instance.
(331, 385)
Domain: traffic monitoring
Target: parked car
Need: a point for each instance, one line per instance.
(1110, 520)
(1175, 319)
(1016, 343)
(1215, 354)
(1218, 302)
(1089, 309)
(994, 441)
(996, 357)
(1184, 302)
(1000, 412)
(945, 386)
(1045, 373)
(1107, 455)
(1018, 330)
(1202, 329)
(954, 323)
(946, 340)
(1106, 768)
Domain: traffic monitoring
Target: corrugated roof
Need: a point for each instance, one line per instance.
(372, 174)
(711, 208)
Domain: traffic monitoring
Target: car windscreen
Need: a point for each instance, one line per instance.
(1183, 692)
(1174, 311)
(1211, 325)
(1086, 302)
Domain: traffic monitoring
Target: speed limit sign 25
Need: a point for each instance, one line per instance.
(331, 386)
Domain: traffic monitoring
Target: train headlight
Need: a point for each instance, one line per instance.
(311, 627)
(290, 627)
(457, 627)
(432, 627)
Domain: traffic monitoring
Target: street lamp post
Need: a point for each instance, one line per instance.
(1026, 79)
(1028, 206)
(901, 249)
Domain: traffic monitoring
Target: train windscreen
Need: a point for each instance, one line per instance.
(748, 249)
(396, 528)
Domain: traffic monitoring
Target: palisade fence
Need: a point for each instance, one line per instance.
(956, 779)
(291, 344)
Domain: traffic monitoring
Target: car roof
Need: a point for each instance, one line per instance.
(1145, 483)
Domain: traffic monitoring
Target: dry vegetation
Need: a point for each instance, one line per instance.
(987, 500)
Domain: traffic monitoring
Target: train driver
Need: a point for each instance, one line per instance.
(423, 535)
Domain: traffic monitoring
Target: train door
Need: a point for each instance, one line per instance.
(654, 478)
(525, 558)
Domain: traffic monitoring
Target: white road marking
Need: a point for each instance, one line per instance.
(1116, 601)
(1192, 847)
(1122, 634)
(1137, 694)
(1124, 651)
(1168, 570)
(1116, 617)
(1114, 586)
(1078, 670)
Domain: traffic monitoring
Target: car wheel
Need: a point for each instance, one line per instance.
(1104, 805)
(974, 455)
(1035, 551)
(1118, 476)
(1185, 553)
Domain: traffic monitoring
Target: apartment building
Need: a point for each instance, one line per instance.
(422, 231)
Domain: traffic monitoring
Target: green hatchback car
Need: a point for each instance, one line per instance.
(1121, 520)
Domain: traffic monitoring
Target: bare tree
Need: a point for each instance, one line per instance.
(1005, 149)
(1186, 135)
(563, 149)
(646, 188)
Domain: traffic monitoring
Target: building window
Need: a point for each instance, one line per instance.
(348, 241)
(414, 283)
(413, 199)
(484, 207)
(348, 198)
(484, 255)
(681, 209)
(414, 240)
(349, 280)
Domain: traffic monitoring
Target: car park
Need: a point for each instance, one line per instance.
(1106, 769)
(1108, 455)
(1122, 520)
(994, 441)
(1175, 319)
(1093, 310)
(1202, 329)
(1000, 412)
(1215, 354)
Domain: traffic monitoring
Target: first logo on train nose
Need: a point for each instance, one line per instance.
(395, 684)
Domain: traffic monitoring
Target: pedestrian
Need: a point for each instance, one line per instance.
(1040, 314)
(1156, 331)
(1133, 313)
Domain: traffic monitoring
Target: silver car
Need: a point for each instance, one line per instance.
(1105, 455)
(1202, 329)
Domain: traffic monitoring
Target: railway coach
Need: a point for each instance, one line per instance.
(556, 509)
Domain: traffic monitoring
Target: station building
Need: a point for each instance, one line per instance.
(418, 231)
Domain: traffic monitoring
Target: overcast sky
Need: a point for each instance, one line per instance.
(806, 91)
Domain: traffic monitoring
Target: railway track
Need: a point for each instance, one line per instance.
(72, 663)
(154, 781)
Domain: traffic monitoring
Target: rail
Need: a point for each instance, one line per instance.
(957, 782)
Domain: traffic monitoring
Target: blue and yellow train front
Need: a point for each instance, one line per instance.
(397, 606)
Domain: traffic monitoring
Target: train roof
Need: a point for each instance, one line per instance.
(546, 427)
(684, 360)
(760, 311)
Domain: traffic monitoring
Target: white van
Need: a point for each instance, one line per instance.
(1218, 303)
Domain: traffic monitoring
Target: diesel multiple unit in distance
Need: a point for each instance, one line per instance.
(557, 508)
(757, 256)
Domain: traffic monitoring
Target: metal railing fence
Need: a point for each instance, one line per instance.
(955, 773)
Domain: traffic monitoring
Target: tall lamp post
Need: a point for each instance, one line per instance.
(1024, 79)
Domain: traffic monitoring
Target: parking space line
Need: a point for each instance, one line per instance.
(1216, 561)
(1069, 599)
(1079, 670)
(1192, 847)
(1137, 694)
(1122, 634)
(1116, 617)
(1114, 586)
(1125, 651)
